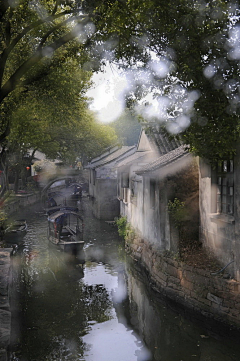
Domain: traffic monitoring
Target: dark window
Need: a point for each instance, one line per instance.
(94, 176)
(225, 187)
(152, 193)
(125, 180)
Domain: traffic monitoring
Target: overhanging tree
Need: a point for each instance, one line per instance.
(198, 42)
(31, 33)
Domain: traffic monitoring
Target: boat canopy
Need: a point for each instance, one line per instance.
(61, 208)
(54, 216)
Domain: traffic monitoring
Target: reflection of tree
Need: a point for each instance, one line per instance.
(57, 311)
(97, 303)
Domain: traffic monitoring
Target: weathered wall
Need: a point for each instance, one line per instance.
(21, 200)
(197, 289)
(147, 211)
(219, 232)
(151, 222)
(105, 202)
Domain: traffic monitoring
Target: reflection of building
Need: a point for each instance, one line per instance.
(171, 332)
(103, 181)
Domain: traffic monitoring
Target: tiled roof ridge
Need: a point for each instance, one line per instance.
(137, 156)
(164, 159)
(161, 140)
(110, 158)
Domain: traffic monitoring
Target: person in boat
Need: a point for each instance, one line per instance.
(78, 190)
(51, 202)
(60, 222)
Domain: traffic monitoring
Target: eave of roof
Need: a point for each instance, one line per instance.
(137, 156)
(165, 160)
(117, 155)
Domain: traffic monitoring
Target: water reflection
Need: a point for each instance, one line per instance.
(101, 312)
(169, 334)
(67, 312)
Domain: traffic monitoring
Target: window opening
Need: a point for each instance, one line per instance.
(225, 187)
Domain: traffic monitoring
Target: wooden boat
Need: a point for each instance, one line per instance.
(65, 230)
(15, 231)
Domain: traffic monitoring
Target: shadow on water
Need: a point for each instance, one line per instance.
(104, 311)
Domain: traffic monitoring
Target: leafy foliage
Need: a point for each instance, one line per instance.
(197, 43)
(127, 128)
(176, 209)
(194, 78)
(122, 225)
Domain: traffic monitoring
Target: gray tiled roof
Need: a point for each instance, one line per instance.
(165, 160)
(161, 140)
(137, 156)
(114, 156)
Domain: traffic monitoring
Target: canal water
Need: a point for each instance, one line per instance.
(103, 311)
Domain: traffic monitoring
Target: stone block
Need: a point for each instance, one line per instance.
(5, 325)
(224, 309)
(174, 280)
(187, 285)
(215, 299)
(189, 276)
(160, 274)
(204, 301)
(228, 303)
(237, 306)
(172, 271)
(173, 263)
(174, 286)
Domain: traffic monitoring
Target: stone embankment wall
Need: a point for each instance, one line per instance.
(197, 289)
(21, 200)
(5, 313)
(18, 202)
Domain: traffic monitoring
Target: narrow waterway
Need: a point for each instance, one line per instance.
(104, 311)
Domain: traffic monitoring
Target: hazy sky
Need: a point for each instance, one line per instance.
(108, 93)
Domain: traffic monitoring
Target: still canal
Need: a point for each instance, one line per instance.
(104, 311)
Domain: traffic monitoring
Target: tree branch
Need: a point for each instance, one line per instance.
(3, 8)
(13, 81)
(5, 54)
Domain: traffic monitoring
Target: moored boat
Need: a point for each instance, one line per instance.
(60, 207)
(65, 230)
(15, 231)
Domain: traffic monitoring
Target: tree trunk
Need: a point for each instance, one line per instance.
(16, 181)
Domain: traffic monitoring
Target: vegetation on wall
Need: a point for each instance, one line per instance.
(125, 229)
(177, 211)
(183, 207)
(122, 225)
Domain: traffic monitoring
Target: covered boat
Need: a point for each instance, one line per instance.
(65, 230)
(15, 231)
(60, 207)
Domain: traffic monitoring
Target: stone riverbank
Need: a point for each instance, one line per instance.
(11, 206)
(5, 313)
(197, 290)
